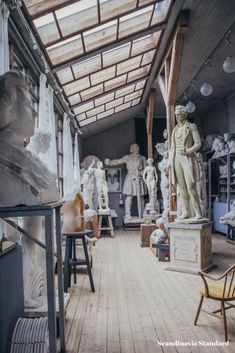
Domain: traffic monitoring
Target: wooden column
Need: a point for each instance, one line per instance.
(150, 111)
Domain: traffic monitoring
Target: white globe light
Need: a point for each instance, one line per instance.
(190, 106)
(206, 89)
(229, 64)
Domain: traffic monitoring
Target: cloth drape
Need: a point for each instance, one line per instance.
(4, 45)
(68, 171)
(76, 163)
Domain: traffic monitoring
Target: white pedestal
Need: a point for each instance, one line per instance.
(190, 247)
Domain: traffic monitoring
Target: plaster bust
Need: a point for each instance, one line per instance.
(25, 178)
(215, 147)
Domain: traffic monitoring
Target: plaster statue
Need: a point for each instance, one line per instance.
(25, 178)
(185, 142)
(215, 147)
(101, 186)
(229, 218)
(201, 184)
(227, 139)
(221, 149)
(163, 166)
(231, 146)
(88, 185)
(133, 184)
(150, 178)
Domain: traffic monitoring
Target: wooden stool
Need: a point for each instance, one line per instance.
(71, 259)
(109, 226)
(163, 251)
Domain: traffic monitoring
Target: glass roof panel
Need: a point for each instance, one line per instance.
(92, 92)
(95, 111)
(128, 65)
(47, 28)
(114, 103)
(104, 99)
(145, 43)
(75, 99)
(75, 17)
(83, 107)
(160, 11)
(135, 21)
(65, 75)
(117, 54)
(136, 101)
(37, 6)
(125, 90)
(115, 82)
(86, 67)
(111, 8)
(122, 107)
(148, 57)
(76, 86)
(65, 50)
(140, 85)
(81, 116)
(87, 121)
(103, 75)
(100, 35)
(133, 95)
(106, 113)
(143, 71)
(144, 2)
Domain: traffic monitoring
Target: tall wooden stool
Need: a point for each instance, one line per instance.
(71, 260)
(106, 216)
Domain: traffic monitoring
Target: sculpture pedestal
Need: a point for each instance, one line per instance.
(145, 232)
(190, 247)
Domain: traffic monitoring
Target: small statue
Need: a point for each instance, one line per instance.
(101, 186)
(88, 186)
(227, 139)
(215, 147)
(229, 218)
(150, 178)
(185, 142)
(231, 146)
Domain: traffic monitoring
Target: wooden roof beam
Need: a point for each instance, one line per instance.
(150, 111)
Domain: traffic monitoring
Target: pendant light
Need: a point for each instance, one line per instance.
(229, 62)
(191, 107)
(206, 88)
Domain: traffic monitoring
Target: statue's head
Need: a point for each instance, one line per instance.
(216, 143)
(150, 161)
(165, 134)
(15, 104)
(226, 136)
(99, 165)
(134, 148)
(180, 113)
(42, 138)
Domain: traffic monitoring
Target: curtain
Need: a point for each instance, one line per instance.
(47, 122)
(68, 173)
(4, 45)
(76, 164)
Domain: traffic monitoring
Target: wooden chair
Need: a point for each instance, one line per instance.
(222, 290)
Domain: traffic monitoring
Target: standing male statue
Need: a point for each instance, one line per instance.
(133, 185)
(185, 142)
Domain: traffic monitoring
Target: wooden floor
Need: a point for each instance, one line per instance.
(137, 303)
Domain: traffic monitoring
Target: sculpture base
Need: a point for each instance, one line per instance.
(190, 247)
(132, 223)
(192, 220)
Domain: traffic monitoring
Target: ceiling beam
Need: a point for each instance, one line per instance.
(163, 88)
(150, 111)
(110, 46)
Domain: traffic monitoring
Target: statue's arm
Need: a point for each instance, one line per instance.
(113, 162)
(196, 139)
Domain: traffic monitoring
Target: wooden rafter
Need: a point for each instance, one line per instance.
(150, 111)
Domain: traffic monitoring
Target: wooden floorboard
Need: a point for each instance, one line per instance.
(138, 303)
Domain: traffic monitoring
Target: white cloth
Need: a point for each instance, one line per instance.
(47, 122)
(76, 163)
(68, 172)
(4, 45)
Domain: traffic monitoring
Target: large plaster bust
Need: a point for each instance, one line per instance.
(25, 178)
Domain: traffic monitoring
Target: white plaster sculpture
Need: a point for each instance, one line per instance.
(133, 185)
(39, 142)
(150, 178)
(231, 146)
(163, 166)
(215, 147)
(88, 186)
(227, 139)
(221, 149)
(229, 218)
(185, 142)
(25, 178)
(201, 185)
(102, 187)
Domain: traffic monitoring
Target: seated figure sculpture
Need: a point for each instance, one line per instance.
(185, 142)
(25, 178)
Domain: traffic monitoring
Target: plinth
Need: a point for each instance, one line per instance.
(190, 247)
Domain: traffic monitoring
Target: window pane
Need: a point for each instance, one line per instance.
(76, 86)
(75, 99)
(104, 114)
(144, 2)
(133, 95)
(100, 36)
(128, 65)
(88, 121)
(65, 75)
(135, 21)
(103, 75)
(81, 116)
(117, 54)
(95, 111)
(86, 67)
(77, 16)
(145, 43)
(122, 107)
(160, 11)
(92, 92)
(35, 7)
(148, 57)
(65, 50)
(47, 28)
(114, 103)
(135, 101)
(140, 85)
(111, 8)
(125, 90)
(143, 71)
(83, 107)
(104, 99)
(118, 81)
